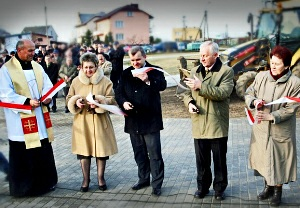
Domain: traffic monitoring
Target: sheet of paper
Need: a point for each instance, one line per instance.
(111, 108)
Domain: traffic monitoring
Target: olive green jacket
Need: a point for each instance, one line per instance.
(69, 71)
(212, 100)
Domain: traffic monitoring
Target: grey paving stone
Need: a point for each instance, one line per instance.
(121, 171)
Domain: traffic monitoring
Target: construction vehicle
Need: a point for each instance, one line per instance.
(276, 26)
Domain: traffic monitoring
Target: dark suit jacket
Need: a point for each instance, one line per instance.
(146, 116)
(52, 72)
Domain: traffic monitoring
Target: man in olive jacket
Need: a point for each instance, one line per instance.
(139, 96)
(68, 71)
(211, 84)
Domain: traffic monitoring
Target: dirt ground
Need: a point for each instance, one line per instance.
(173, 107)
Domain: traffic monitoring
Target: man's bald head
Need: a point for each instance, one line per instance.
(25, 49)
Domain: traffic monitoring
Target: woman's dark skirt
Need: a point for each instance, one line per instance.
(31, 171)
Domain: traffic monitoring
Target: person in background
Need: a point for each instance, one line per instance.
(51, 70)
(211, 85)
(12, 53)
(273, 153)
(138, 96)
(104, 64)
(5, 56)
(116, 58)
(93, 134)
(32, 169)
(40, 59)
(57, 59)
(67, 71)
(4, 165)
(1, 62)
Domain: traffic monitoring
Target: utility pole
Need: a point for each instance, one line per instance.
(46, 23)
(184, 29)
(205, 27)
(250, 20)
(226, 34)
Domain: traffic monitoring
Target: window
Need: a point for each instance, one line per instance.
(119, 24)
(129, 14)
(119, 36)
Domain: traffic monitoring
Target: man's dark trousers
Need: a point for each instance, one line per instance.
(203, 149)
(144, 144)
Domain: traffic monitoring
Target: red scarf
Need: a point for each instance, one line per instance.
(276, 77)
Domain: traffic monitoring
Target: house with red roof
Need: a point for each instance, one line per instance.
(127, 25)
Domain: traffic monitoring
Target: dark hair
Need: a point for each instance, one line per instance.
(105, 56)
(283, 53)
(19, 44)
(136, 49)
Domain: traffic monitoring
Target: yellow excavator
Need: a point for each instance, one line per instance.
(276, 26)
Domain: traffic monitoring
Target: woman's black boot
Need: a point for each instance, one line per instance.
(276, 199)
(266, 193)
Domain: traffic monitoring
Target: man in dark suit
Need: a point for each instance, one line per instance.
(116, 59)
(51, 70)
(139, 96)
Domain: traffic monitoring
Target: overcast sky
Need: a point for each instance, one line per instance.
(63, 15)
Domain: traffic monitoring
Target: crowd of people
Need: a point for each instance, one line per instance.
(99, 71)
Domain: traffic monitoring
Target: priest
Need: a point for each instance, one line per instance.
(32, 168)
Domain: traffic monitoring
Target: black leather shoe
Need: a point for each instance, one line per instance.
(139, 186)
(156, 192)
(201, 194)
(219, 196)
(103, 187)
(84, 189)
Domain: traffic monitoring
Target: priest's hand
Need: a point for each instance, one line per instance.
(34, 103)
(47, 101)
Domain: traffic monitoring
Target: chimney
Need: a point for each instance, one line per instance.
(134, 6)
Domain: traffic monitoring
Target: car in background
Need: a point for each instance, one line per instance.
(181, 46)
(194, 46)
(166, 46)
(148, 48)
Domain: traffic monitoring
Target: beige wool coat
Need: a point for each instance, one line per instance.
(273, 143)
(93, 134)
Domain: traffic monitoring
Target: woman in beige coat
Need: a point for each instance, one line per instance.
(273, 144)
(93, 133)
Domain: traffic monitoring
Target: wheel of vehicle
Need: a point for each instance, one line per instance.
(296, 70)
(243, 82)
